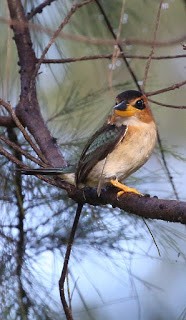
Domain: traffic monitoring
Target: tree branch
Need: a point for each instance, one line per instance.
(109, 56)
(170, 88)
(39, 8)
(146, 207)
(166, 105)
(28, 109)
(97, 41)
(73, 9)
(6, 121)
(21, 151)
(147, 67)
(66, 261)
(109, 26)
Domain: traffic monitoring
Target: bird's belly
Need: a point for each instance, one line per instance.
(127, 157)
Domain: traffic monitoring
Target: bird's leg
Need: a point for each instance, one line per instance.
(123, 188)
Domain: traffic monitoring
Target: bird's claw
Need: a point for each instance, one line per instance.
(123, 188)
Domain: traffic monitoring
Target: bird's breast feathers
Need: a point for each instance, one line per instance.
(128, 156)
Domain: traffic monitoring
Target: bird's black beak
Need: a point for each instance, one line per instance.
(122, 106)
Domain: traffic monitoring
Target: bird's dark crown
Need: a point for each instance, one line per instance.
(128, 95)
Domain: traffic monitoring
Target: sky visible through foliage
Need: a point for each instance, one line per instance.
(115, 268)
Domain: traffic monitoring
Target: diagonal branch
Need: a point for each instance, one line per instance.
(170, 88)
(166, 105)
(7, 121)
(9, 108)
(21, 151)
(153, 46)
(73, 9)
(109, 26)
(39, 8)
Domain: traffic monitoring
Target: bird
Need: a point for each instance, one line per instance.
(116, 150)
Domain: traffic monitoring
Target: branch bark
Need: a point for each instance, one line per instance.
(28, 109)
(146, 207)
(6, 121)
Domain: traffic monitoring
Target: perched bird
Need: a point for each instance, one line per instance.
(116, 150)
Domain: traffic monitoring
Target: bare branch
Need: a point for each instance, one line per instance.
(39, 8)
(109, 26)
(170, 88)
(10, 157)
(73, 9)
(109, 56)
(166, 167)
(66, 261)
(97, 41)
(146, 207)
(6, 121)
(21, 151)
(28, 109)
(9, 108)
(166, 105)
(153, 46)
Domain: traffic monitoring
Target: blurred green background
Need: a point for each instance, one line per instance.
(115, 270)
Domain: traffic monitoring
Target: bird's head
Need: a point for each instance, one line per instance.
(132, 103)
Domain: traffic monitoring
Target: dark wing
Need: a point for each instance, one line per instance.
(98, 147)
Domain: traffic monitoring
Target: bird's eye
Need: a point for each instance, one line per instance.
(140, 104)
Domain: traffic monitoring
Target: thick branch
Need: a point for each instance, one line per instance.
(28, 109)
(146, 207)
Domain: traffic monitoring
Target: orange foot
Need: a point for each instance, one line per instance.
(123, 188)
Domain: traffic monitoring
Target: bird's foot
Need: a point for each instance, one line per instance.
(123, 188)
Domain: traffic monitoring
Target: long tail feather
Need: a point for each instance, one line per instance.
(66, 173)
(47, 171)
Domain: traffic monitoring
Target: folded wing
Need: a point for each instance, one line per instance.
(98, 147)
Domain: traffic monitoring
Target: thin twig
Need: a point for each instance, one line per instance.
(166, 105)
(20, 243)
(96, 41)
(21, 151)
(73, 9)
(109, 26)
(166, 167)
(170, 88)
(153, 46)
(39, 8)
(152, 236)
(109, 56)
(10, 156)
(116, 50)
(9, 108)
(66, 261)
(14, 160)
